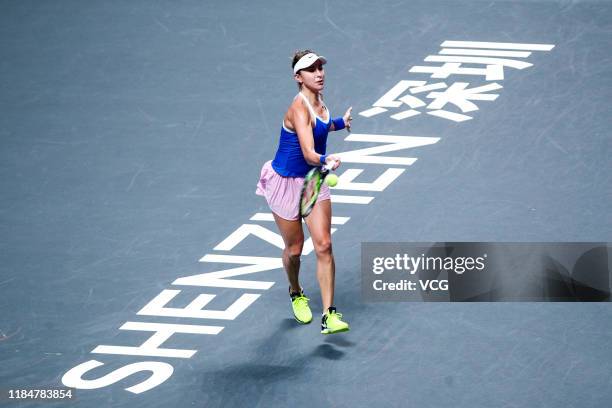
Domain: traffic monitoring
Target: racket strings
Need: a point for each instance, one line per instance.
(310, 192)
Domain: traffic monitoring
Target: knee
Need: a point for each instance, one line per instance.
(294, 250)
(323, 247)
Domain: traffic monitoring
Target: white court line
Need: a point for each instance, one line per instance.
(478, 60)
(426, 88)
(345, 199)
(415, 102)
(456, 117)
(372, 112)
(499, 46)
(405, 114)
(485, 53)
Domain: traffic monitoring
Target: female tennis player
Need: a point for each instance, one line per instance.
(302, 146)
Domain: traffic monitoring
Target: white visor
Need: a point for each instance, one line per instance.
(307, 60)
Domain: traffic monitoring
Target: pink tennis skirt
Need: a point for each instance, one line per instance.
(283, 193)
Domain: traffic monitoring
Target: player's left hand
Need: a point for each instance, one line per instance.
(336, 159)
(347, 118)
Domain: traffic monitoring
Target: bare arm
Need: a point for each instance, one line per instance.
(300, 118)
(347, 120)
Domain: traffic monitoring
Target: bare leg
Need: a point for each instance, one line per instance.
(293, 236)
(319, 225)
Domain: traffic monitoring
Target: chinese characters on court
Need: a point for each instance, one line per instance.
(440, 97)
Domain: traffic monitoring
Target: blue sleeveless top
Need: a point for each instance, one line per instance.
(289, 160)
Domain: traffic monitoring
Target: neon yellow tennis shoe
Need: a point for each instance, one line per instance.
(331, 322)
(301, 310)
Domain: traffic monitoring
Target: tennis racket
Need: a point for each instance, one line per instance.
(312, 186)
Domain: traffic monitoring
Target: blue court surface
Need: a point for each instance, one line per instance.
(132, 135)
